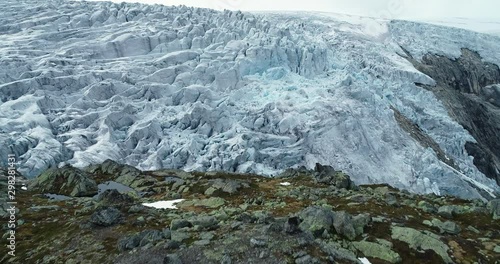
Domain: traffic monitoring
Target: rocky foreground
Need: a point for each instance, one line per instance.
(301, 216)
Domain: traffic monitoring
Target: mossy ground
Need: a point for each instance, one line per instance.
(59, 233)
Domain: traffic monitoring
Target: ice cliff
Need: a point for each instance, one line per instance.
(197, 89)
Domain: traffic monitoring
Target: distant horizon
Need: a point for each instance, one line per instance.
(388, 9)
(383, 9)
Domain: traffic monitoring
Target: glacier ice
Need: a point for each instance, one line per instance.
(197, 89)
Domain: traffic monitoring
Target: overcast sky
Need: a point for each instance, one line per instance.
(484, 9)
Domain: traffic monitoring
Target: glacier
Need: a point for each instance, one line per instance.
(156, 87)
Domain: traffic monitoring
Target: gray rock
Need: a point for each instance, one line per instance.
(316, 220)
(326, 174)
(121, 173)
(65, 181)
(448, 211)
(258, 242)
(114, 197)
(375, 250)
(202, 242)
(446, 227)
(427, 207)
(172, 259)
(43, 207)
(212, 202)
(137, 208)
(336, 252)
(496, 249)
(150, 236)
(306, 259)
(226, 259)
(494, 208)
(343, 224)
(491, 94)
(262, 217)
(179, 236)
(457, 79)
(129, 243)
(422, 240)
(226, 185)
(172, 244)
(360, 221)
(179, 223)
(167, 233)
(207, 235)
(207, 222)
(106, 217)
(292, 225)
(391, 199)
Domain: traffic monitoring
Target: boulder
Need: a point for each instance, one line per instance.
(226, 185)
(207, 222)
(129, 243)
(292, 225)
(106, 217)
(150, 236)
(449, 211)
(422, 240)
(172, 259)
(179, 223)
(114, 197)
(328, 175)
(446, 227)
(427, 207)
(343, 224)
(316, 220)
(494, 208)
(376, 250)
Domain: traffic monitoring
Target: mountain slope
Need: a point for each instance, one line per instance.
(196, 89)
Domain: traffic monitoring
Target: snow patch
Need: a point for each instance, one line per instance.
(164, 204)
(364, 261)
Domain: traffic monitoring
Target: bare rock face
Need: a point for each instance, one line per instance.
(67, 180)
(467, 87)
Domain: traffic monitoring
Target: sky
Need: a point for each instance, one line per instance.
(392, 9)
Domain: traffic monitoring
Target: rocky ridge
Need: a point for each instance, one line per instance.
(300, 216)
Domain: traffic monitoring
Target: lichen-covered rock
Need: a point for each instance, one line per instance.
(427, 207)
(376, 250)
(494, 207)
(106, 217)
(226, 185)
(179, 223)
(65, 181)
(422, 240)
(114, 197)
(316, 220)
(446, 227)
(212, 202)
(328, 175)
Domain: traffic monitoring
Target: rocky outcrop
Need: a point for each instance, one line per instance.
(422, 240)
(322, 174)
(494, 207)
(304, 221)
(105, 217)
(65, 181)
(467, 86)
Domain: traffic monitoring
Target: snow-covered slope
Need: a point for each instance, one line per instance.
(197, 89)
(489, 26)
